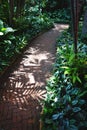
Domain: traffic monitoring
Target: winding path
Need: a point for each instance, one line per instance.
(24, 88)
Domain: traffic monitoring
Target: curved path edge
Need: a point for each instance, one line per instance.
(24, 88)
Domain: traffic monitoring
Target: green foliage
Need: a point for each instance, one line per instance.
(5, 30)
(13, 41)
(65, 105)
(84, 37)
(73, 67)
(4, 10)
(28, 23)
(60, 16)
(6, 45)
(51, 5)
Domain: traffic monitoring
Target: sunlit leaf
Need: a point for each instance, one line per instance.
(66, 72)
(9, 29)
(3, 29)
(1, 33)
(74, 79)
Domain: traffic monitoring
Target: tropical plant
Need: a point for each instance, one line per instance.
(60, 15)
(65, 105)
(19, 23)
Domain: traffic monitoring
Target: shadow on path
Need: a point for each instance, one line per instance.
(24, 87)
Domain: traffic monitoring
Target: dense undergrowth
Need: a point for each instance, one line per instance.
(60, 16)
(65, 105)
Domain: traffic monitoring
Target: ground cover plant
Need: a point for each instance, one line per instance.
(65, 105)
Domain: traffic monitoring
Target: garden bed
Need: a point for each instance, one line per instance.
(65, 105)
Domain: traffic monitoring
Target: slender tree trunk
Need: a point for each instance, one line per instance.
(74, 11)
(20, 6)
(11, 11)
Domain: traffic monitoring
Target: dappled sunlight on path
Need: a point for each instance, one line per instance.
(24, 87)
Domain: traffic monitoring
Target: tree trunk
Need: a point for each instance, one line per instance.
(20, 6)
(11, 11)
(74, 11)
(84, 29)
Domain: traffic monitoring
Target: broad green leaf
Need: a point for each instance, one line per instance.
(9, 29)
(74, 102)
(76, 109)
(82, 102)
(56, 116)
(66, 72)
(3, 29)
(1, 33)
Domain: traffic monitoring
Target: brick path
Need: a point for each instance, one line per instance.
(24, 87)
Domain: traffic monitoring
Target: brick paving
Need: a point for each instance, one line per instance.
(23, 87)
